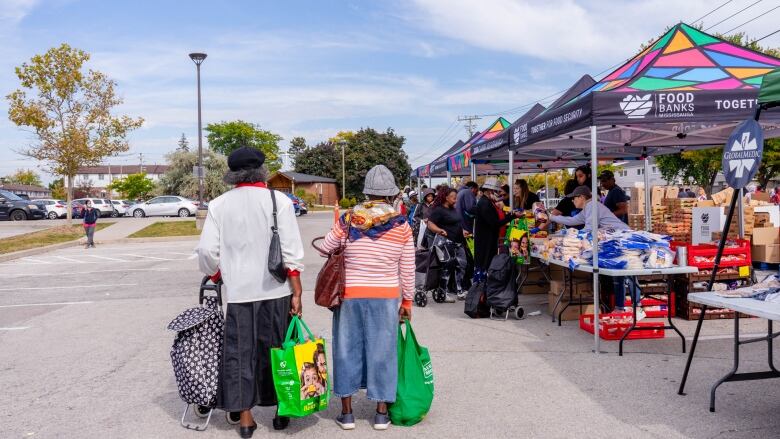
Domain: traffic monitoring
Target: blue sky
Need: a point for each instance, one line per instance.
(312, 68)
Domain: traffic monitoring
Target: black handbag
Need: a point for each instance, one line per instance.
(275, 261)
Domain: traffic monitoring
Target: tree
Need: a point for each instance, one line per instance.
(184, 144)
(363, 150)
(134, 186)
(297, 146)
(770, 162)
(25, 176)
(225, 137)
(83, 189)
(57, 188)
(179, 179)
(69, 110)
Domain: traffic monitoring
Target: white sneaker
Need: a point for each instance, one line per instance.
(462, 295)
(450, 298)
(640, 314)
(381, 421)
(346, 421)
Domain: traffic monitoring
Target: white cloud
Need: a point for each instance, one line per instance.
(14, 11)
(591, 33)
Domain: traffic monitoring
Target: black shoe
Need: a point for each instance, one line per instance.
(247, 432)
(281, 422)
(233, 418)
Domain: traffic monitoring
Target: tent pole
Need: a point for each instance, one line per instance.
(430, 181)
(449, 178)
(741, 213)
(648, 217)
(512, 181)
(473, 172)
(546, 190)
(595, 233)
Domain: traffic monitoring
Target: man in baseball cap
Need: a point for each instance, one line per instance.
(582, 198)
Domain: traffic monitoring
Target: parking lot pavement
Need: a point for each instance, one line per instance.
(85, 353)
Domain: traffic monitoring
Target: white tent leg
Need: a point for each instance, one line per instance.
(512, 180)
(648, 217)
(449, 178)
(473, 172)
(595, 229)
(430, 181)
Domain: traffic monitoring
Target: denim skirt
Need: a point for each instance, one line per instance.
(365, 348)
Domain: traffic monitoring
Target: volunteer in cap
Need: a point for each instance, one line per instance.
(234, 243)
(616, 200)
(582, 199)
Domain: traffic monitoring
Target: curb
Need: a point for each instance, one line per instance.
(38, 250)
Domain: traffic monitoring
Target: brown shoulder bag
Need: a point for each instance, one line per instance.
(329, 289)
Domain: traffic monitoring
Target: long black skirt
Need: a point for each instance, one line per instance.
(251, 330)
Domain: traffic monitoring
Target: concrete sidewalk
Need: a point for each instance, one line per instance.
(127, 226)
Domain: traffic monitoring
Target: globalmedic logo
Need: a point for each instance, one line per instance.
(743, 155)
(636, 106)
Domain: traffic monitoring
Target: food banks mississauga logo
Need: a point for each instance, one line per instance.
(636, 107)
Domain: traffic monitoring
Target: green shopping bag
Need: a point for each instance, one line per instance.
(300, 372)
(414, 395)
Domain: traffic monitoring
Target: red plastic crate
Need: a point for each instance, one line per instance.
(654, 308)
(615, 331)
(710, 250)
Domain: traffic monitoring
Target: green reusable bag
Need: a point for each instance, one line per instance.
(414, 395)
(300, 372)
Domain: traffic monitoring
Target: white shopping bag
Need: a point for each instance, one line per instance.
(421, 233)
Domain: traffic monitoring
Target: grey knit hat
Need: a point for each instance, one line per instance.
(380, 182)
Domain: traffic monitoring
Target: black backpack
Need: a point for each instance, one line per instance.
(476, 304)
(501, 287)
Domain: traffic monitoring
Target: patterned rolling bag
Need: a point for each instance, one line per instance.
(197, 351)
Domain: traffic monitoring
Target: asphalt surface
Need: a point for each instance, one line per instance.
(13, 228)
(85, 354)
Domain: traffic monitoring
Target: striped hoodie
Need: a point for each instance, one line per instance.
(377, 268)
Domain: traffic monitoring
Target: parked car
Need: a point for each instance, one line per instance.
(77, 209)
(299, 204)
(167, 205)
(15, 208)
(54, 208)
(23, 196)
(121, 206)
(104, 206)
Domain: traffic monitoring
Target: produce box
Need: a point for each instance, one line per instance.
(657, 195)
(672, 192)
(767, 253)
(766, 235)
(571, 313)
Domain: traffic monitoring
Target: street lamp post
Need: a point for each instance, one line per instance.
(198, 59)
(343, 144)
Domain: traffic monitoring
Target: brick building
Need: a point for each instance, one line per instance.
(324, 189)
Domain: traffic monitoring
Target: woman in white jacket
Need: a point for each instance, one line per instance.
(234, 244)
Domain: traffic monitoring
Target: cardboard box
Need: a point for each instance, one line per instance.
(723, 197)
(766, 236)
(672, 192)
(766, 253)
(571, 313)
(705, 203)
(760, 196)
(658, 195)
(761, 219)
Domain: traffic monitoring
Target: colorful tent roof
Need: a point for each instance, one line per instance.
(461, 160)
(687, 89)
(496, 148)
(438, 167)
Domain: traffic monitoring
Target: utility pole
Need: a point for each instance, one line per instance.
(140, 162)
(470, 125)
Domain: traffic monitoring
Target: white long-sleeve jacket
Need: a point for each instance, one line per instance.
(235, 240)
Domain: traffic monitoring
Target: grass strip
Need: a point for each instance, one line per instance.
(41, 238)
(172, 228)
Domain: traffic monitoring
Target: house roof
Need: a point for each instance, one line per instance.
(305, 178)
(23, 187)
(123, 169)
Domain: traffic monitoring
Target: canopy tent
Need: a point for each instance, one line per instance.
(687, 89)
(495, 133)
(438, 168)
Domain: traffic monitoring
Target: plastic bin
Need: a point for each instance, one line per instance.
(613, 326)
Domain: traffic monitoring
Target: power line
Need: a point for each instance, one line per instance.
(734, 14)
(708, 13)
(766, 36)
(751, 20)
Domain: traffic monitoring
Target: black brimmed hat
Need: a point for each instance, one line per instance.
(245, 158)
